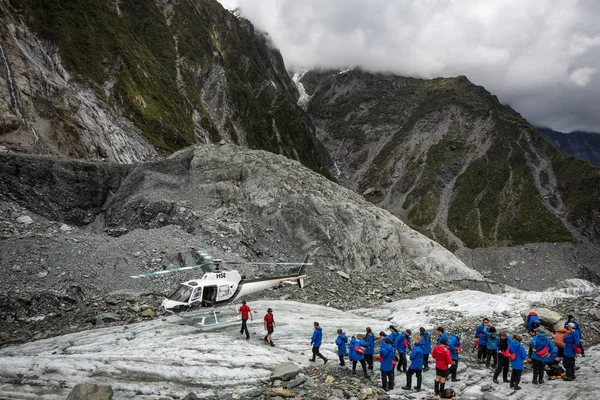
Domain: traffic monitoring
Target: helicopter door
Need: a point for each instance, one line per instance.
(196, 298)
(210, 296)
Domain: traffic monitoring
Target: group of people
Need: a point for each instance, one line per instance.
(494, 348)
(544, 354)
(392, 356)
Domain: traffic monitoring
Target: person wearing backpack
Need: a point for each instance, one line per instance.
(558, 340)
(386, 364)
(402, 345)
(491, 347)
(355, 354)
(341, 342)
(369, 351)
(543, 351)
(416, 365)
(426, 340)
(455, 347)
(503, 361)
(315, 342)
(443, 360)
(517, 355)
(482, 339)
(571, 342)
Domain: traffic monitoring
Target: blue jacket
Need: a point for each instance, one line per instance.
(400, 343)
(388, 353)
(426, 340)
(570, 340)
(530, 320)
(444, 336)
(354, 355)
(370, 339)
(517, 348)
(317, 337)
(480, 331)
(453, 345)
(576, 325)
(492, 340)
(394, 337)
(538, 343)
(341, 342)
(416, 357)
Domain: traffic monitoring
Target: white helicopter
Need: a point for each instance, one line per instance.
(199, 300)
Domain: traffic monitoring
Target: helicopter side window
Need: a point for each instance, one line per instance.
(223, 290)
(197, 294)
(182, 294)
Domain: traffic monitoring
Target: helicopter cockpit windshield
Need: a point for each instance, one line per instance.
(182, 294)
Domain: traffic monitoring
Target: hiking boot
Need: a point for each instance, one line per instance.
(265, 339)
(272, 345)
(384, 389)
(247, 337)
(311, 360)
(540, 381)
(405, 387)
(512, 384)
(505, 380)
(455, 380)
(567, 379)
(325, 361)
(365, 375)
(495, 380)
(418, 389)
(535, 382)
(517, 387)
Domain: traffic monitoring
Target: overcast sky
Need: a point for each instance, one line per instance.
(540, 56)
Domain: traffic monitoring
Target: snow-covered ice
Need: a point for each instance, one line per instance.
(164, 358)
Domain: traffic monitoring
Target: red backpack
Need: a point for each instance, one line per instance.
(511, 356)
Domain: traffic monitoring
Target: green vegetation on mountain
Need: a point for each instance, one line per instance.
(424, 135)
(158, 61)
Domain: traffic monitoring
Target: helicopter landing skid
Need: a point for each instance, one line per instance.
(206, 320)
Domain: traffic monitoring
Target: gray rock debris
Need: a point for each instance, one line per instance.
(285, 371)
(90, 391)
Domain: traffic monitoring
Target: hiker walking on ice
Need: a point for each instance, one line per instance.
(315, 342)
(245, 311)
(341, 342)
(369, 351)
(443, 360)
(426, 340)
(269, 325)
(416, 365)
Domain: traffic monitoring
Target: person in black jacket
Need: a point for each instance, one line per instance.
(503, 362)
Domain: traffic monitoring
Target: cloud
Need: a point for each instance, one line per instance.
(582, 76)
(539, 56)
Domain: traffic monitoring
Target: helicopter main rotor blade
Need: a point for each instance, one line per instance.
(166, 271)
(265, 263)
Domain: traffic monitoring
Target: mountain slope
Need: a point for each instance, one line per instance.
(446, 157)
(163, 74)
(584, 145)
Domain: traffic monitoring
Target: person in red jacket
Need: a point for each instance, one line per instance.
(269, 324)
(245, 311)
(443, 359)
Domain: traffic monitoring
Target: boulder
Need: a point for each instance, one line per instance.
(149, 313)
(109, 317)
(190, 396)
(90, 391)
(285, 371)
(343, 274)
(547, 317)
(25, 220)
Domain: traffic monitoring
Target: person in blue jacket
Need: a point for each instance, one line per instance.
(482, 339)
(355, 356)
(426, 340)
(503, 362)
(393, 335)
(341, 342)
(315, 342)
(533, 321)
(369, 351)
(571, 320)
(403, 345)
(441, 335)
(515, 347)
(416, 365)
(455, 347)
(542, 352)
(491, 346)
(387, 354)
(570, 340)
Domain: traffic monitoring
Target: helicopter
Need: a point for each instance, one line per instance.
(200, 300)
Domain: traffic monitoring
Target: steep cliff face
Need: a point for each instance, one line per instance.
(584, 145)
(125, 80)
(446, 157)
